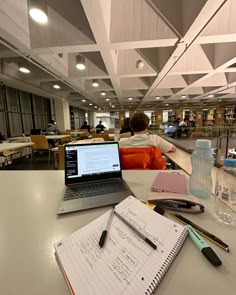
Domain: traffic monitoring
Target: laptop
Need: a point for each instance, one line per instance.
(93, 177)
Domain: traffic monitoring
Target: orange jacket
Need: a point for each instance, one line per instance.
(136, 158)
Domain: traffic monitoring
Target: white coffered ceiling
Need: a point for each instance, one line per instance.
(188, 48)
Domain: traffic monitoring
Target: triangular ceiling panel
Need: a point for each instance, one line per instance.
(132, 83)
(126, 64)
(174, 81)
(192, 78)
(157, 57)
(148, 80)
(177, 12)
(218, 79)
(209, 89)
(187, 64)
(136, 20)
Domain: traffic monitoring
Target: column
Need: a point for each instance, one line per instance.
(62, 114)
(198, 117)
(219, 117)
(121, 119)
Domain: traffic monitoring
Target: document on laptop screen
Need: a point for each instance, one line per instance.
(92, 159)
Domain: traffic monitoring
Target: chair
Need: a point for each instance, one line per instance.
(6, 157)
(66, 139)
(140, 158)
(101, 135)
(84, 135)
(124, 135)
(40, 145)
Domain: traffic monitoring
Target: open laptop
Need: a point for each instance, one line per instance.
(93, 177)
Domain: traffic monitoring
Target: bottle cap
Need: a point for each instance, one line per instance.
(203, 143)
(230, 162)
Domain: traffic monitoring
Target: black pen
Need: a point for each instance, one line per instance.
(138, 233)
(105, 232)
(201, 231)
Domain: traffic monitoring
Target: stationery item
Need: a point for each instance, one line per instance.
(170, 182)
(127, 264)
(201, 231)
(105, 232)
(177, 203)
(203, 246)
(93, 177)
(137, 232)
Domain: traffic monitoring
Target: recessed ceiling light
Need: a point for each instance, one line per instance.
(24, 70)
(112, 106)
(56, 86)
(183, 96)
(157, 97)
(130, 98)
(95, 107)
(103, 93)
(80, 62)
(99, 109)
(90, 104)
(95, 83)
(167, 104)
(107, 99)
(210, 95)
(83, 100)
(38, 12)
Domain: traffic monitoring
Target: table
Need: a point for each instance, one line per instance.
(29, 227)
(14, 145)
(56, 137)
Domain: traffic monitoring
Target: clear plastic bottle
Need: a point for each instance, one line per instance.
(225, 193)
(202, 159)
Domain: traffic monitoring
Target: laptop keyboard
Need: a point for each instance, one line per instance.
(95, 189)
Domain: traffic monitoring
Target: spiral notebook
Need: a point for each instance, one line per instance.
(126, 264)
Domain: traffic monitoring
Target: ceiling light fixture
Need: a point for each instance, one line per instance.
(103, 93)
(56, 86)
(139, 64)
(95, 107)
(157, 97)
(112, 106)
(90, 104)
(167, 104)
(24, 70)
(38, 11)
(107, 99)
(183, 96)
(130, 98)
(80, 62)
(83, 100)
(210, 95)
(95, 83)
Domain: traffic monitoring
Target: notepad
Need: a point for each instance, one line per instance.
(170, 182)
(126, 264)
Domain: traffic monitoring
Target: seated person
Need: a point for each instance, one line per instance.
(182, 128)
(126, 128)
(51, 128)
(85, 126)
(100, 128)
(139, 123)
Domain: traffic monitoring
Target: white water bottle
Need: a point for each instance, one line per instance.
(202, 159)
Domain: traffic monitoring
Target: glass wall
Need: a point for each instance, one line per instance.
(21, 111)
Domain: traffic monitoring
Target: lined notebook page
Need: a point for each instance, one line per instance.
(126, 264)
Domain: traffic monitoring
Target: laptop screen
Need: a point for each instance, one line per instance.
(95, 161)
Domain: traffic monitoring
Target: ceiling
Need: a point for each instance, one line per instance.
(188, 48)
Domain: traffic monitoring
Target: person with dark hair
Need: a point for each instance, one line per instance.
(126, 127)
(85, 126)
(100, 127)
(51, 128)
(139, 122)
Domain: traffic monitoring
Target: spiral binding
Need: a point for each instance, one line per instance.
(166, 264)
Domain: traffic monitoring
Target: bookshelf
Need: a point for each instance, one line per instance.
(230, 116)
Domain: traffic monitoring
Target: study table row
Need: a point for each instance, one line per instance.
(29, 228)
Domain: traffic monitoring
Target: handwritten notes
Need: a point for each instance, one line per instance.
(126, 264)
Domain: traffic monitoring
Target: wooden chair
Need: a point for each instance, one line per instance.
(85, 135)
(101, 135)
(6, 157)
(40, 145)
(66, 139)
(126, 134)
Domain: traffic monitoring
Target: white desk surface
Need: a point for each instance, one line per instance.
(14, 145)
(29, 227)
(56, 136)
(78, 132)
